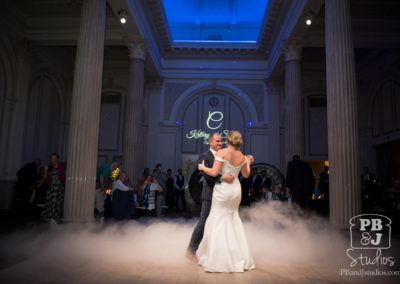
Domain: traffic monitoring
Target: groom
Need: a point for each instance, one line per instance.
(215, 141)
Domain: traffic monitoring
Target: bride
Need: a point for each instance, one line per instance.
(224, 246)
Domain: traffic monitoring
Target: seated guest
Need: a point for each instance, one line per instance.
(123, 199)
(278, 194)
(25, 179)
(288, 195)
(147, 197)
(266, 193)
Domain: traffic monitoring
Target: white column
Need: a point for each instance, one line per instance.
(132, 147)
(153, 124)
(85, 114)
(294, 116)
(343, 132)
(273, 122)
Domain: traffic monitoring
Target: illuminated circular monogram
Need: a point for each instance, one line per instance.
(213, 101)
(213, 119)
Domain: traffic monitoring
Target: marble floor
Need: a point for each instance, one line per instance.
(54, 272)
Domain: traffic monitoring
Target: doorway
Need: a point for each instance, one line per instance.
(388, 161)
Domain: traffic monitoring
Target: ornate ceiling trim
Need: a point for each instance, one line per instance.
(225, 49)
(267, 27)
(161, 23)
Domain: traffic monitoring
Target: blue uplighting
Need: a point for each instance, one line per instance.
(177, 122)
(250, 123)
(215, 20)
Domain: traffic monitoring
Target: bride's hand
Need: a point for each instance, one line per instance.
(250, 157)
(201, 166)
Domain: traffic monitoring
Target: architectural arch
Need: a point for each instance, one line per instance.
(233, 92)
(45, 128)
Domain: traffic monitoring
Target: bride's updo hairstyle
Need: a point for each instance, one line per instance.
(234, 138)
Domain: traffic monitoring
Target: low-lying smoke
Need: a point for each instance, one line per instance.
(276, 233)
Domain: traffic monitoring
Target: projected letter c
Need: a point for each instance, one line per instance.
(211, 117)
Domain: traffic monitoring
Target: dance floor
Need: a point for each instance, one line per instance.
(137, 272)
(286, 247)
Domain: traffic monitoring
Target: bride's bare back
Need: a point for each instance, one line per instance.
(233, 156)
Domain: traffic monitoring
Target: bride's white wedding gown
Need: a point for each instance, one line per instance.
(224, 245)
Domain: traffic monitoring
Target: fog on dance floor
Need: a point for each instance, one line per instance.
(276, 233)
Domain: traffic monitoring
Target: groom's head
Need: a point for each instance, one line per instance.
(215, 141)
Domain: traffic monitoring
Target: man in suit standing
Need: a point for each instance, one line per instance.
(246, 184)
(265, 181)
(215, 141)
(300, 181)
(179, 185)
(256, 184)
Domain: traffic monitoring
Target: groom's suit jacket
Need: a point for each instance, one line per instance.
(209, 182)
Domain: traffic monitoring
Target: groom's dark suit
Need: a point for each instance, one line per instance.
(206, 196)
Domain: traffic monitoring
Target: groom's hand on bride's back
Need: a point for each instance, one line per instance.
(227, 178)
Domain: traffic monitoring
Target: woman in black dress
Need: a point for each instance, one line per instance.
(55, 173)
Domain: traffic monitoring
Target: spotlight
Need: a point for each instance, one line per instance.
(123, 16)
(308, 18)
(250, 123)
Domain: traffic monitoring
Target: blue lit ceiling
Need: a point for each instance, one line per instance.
(215, 20)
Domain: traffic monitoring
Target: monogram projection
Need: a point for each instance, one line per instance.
(209, 113)
(213, 122)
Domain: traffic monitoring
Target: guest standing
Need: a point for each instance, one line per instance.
(256, 185)
(265, 181)
(161, 178)
(170, 200)
(180, 184)
(41, 186)
(266, 186)
(140, 179)
(323, 182)
(148, 191)
(55, 174)
(102, 184)
(300, 181)
(246, 189)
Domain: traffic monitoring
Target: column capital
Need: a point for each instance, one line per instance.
(137, 48)
(292, 49)
(272, 86)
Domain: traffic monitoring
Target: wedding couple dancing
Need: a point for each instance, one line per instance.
(218, 241)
